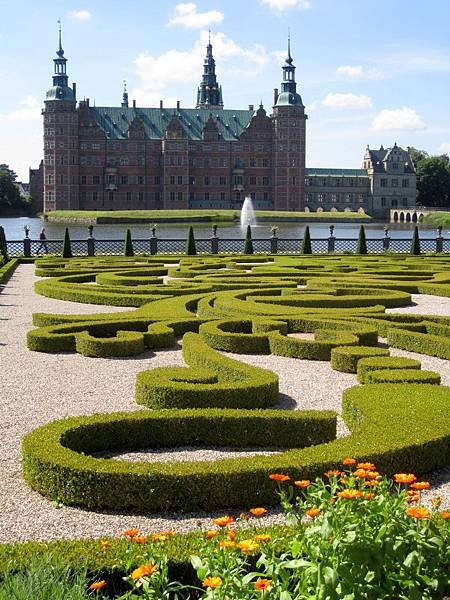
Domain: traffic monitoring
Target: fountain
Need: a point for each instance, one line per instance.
(247, 213)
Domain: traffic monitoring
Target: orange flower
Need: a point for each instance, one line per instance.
(369, 496)
(418, 512)
(350, 494)
(160, 537)
(371, 483)
(263, 537)
(258, 511)
(332, 473)
(372, 475)
(279, 477)
(348, 461)
(312, 512)
(212, 582)
(131, 533)
(413, 497)
(406, 478)
(420, 485)
(143, 571)
(104, 544)
(232, 535)
(263, 584)
(361, 473)
(223, 521)
(445, 514)
(168, 533)
(303, 483)
(227, 544)
(366, 466)
(248, 546)
(97, 585)
(211, 533)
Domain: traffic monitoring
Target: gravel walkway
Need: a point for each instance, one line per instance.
(38, 388)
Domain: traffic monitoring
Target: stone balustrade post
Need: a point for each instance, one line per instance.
(27, 247)
(274, 244)
(439, 240)
(91, 246)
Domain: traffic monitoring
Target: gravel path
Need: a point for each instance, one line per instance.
(38, 388)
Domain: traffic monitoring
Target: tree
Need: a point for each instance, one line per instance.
(3, 247)
(9, 192)
(417, 155)
(306, 243)
(128, 244)
(248, 244)
(415, 242)
(67, 248)
(433, 181)
(191, 250)
(361, 247)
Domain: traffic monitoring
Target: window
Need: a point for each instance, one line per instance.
(124, 179)
(206, 195)
(191, 180)
(394, 202)
(360, 197)
(124, 161)
(405, 183)
(140, 180)
(95, 146)
(333, 198)
(141, 161)
(383, 201)
(383, 182)
(206, 180)
(252, 180)
(157, 180)
(253, 195)
(180, 196)
(252, 162)
(96, 179)
(141, 196)
(222, 196)
(223, 162)
(83, 180)
(405, 202)
(111, 179)
(238, 180)
(266, 180)
(83, 146)
(124, 146)
(320, 197)
(94, 196)
(180, 179)
(394, 183)
(222, 180)
(128, 196)
(50, 179)
(172, 196)
(111, 197)
(172, 180)
(207, 162)
(395, 165)
(294, 180)
(266, 195)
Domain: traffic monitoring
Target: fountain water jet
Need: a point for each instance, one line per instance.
(248, 216)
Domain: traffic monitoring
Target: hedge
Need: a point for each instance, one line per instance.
(126, 343)
(212, 380)
(393, 425)
(236, 336)
(403, 376)
(318, 349)
(423, 343)
(346, 358)
(366, 365)
(8, 269)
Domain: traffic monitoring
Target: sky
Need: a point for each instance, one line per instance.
(368, 72)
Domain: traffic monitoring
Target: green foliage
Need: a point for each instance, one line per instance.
(10, 200)
(191, 249)
(403, 376)
(306, 247)
(415, 242)
(128, 249)
(126, 343)
(248, 244)
(7, 269)
(433, 181)
(3, 247)
(67, 248)
(423, 343)
(346, 358)
(361, 247)
(376, 363)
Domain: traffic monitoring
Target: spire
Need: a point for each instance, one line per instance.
(288, 93)
(60, 51)
(209, 94)
(289, 60)
(60, 89)
(125, 95)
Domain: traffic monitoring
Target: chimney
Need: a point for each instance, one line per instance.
(160, 104)
(275, 96)
(87, 101)
(251, 107)
(134, 103)
(178, 105)
(74, 87)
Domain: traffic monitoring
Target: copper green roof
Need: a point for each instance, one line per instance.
(324, 172)
(115, 121)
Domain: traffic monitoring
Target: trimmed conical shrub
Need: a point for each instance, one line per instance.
(248, 245)
(3, 247)
(361, 247)
(415, 242)
(128, 244)
(67, 248)
(306, 242)
(191, 250)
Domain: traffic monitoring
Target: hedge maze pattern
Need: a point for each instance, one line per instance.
(399, 415)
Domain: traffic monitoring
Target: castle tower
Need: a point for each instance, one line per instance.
(209, 94)
(289, 120)
(60, 139)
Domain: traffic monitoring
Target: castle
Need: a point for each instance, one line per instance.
(129, 157)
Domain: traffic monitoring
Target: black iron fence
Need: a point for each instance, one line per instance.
(217, 245)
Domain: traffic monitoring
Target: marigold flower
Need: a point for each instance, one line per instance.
(259, 511)
(348, 461)
(371, 483)
(350, 494)
(312, 512)
(303, 483)
(232, 535)
(406, 478)
(445, 514)
(418, 512)
(332, 473)
(143, 571)
(369, 496)
(263, 584)
(160, 537)
(140, 539)
(366, 466)
(279, 477)
(97, 585)
(248, 546)
(372, 475)
(420, 485)
(227, 544)
(223, 521)
(131, 533)
(104, 544)
(361, 473)
(263, 537)
(212, 582)
(211, 533)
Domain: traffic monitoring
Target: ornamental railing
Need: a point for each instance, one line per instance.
(216, 245)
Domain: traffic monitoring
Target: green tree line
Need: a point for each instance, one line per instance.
(433, 178)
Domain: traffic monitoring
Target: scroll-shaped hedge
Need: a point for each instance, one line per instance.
(212, 380)
(345, 358)
(376, 363)
(423, 343)
(396, 426)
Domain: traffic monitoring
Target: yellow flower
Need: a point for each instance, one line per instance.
(263, 537)
(139, 539)
(350, 494)
(160, 537)
(223, 521)
(211, 533)
(258, 512)
(248, 546)
(227, 544)
(263, 584)
(406, 478)
(366, 466)
(212, 582)
(143, 571)
(418, 512)
(104, 544)
(420, 485)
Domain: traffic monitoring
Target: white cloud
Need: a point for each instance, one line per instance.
(350, 101)
(30, 111)
(80, 15)
(186, 14)
(176, 67)
(398, 119)
(282, 5)
(445, 148)
(359, 72)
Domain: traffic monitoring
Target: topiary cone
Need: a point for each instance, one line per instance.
(248, 244)
(128, 244)
(361, 247)
(415, 242)
(3, 247)
(191, 250)
(306, 242)
(67, 248)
